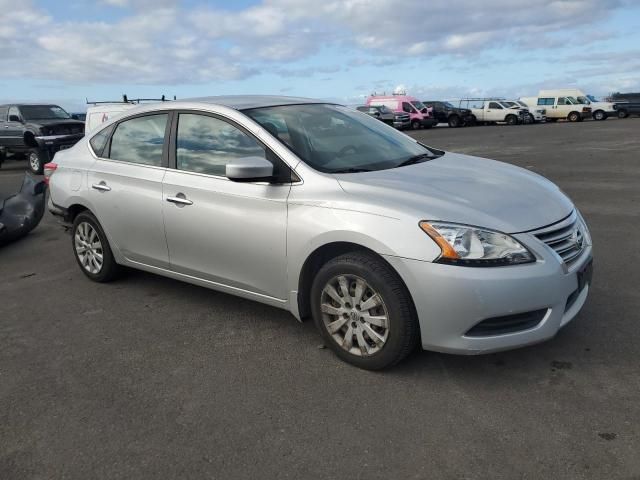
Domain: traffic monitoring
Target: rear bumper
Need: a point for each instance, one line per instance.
(451, 300)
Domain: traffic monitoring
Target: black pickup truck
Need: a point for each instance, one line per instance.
(444, 112)
(627, 103)
(38, 131)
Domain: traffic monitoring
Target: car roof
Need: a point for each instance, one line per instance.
(245, 102)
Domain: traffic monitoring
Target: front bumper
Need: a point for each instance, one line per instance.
(402, 123)
(450, 300)
(54, 143)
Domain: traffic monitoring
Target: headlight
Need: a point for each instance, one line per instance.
(475, 247)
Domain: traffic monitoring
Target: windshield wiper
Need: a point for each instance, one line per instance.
(416, 159)
(351, 170)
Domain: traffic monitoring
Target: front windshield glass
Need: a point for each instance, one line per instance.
(592, 98)
(509, 104)
(419, 105)
(335, 139)
(448, 105)
(522, 104)
(43, 112)
(583, 100)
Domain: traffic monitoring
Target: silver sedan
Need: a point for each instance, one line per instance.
(328, 213)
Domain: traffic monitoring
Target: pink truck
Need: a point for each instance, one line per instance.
(419, 114)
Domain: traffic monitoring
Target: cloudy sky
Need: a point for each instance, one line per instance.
(338, 49)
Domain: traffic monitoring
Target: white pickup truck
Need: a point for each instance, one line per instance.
(497, 111)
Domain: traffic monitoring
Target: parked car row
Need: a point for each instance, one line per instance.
(569, 104)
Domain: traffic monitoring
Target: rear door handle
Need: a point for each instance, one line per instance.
(180, 200)
(103, 187)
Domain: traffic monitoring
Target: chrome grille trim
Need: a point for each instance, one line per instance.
(566, 238)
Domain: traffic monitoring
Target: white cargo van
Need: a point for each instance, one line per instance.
(559, 107)
(599, 110)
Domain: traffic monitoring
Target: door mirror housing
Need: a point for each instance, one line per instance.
(14, 118)
(249, 169)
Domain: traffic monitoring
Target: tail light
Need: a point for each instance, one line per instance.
(49, 168)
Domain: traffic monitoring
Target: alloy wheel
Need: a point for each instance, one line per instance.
(355, 315)
(34, 161)
(88, 248)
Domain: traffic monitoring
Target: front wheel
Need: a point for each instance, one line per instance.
(364, 311)
(574, 117)
(415, 125)
(622, 114)
(599, 115)
(511, 120)
(91, 249)
(454, 121)
(36, 161)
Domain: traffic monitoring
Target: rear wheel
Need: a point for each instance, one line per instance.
(91, 249)
(364, 311)
(36, 160)
(454, 121)
(574, 117)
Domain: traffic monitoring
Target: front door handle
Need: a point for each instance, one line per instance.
(180, 200)
(103, 187)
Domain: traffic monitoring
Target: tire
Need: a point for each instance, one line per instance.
(599, 115)
(373, 278)
(622, 114)
(3, 156)
(531, 119)
(37, 158)
(415, 125)
(81, 235)
(574, 117)
(511, 120)
(454, 121)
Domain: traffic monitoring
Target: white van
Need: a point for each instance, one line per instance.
(559, 107)
(599, 110)
(100, 113)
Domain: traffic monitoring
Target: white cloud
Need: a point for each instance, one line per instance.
(166, 42)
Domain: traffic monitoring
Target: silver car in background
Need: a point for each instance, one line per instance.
(328, 213)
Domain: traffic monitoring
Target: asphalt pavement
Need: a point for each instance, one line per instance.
(151, 378)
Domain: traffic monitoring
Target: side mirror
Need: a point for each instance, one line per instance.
(14, 118)
(249, 169)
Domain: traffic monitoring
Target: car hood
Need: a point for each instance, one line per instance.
(55, 121)
(464, 189)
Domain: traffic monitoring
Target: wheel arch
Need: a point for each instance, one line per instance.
(316, 259)
(29, 139)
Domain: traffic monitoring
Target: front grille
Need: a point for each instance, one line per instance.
(566, 238)
(507, 324)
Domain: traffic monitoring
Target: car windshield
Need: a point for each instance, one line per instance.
(592, 98)
(43, 112)
(335, 139)
(522, 104)
(448, 105)
(509, 104)
(419, 105)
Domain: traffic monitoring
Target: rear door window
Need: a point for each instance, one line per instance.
(140, 140)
